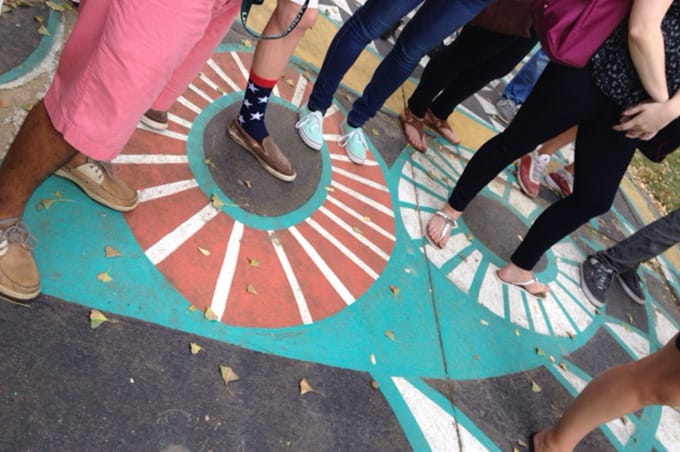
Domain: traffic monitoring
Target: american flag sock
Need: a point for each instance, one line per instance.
(255, 100)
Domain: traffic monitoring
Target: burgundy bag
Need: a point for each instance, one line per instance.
(571, 31)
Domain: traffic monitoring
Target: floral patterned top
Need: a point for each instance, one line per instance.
(613, 69)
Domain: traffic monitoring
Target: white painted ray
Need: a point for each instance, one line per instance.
(453, 247)
(431, 166)
(568, 250)
(357, 235)
(332, 278)
(668, 431)
(465, 153)
(425, 180)
(362, 180)
(332, 12)
(440, 429)
(452, 160)
(275, 91)
(173, 240)
(503, 175)
(150, 159)
(537, 318)
(299, 296)
(636, 343)
(497, 187)
(190, 105)
(179, 120)
(464, 273)
(663, 326)
(556, 317)
(218, 304)
(228, 80)
(165, 133)
(526, 206)
(342, 248)
(201, 93)
(344, 158)
(518, 314)
(487, 106)
(372, 46)
(333, 109)
(575, 290)
(208, 81)
(620, 429)
(360, 217)
(365, 199)
(162, 191)
(299, 91)
(491, 292)
(578, 312)
(410, 219)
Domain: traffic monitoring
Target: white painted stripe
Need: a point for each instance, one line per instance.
(571, 273)
(218, 303)
(208, 81)
(537, 316)
(558, 320)
(299, 91)
(365, 199)
(456, 243)
(525, 205)
(432, 180)
(491, 292)
(299, 296)
(636, 343)
(218, 70)
(201, 93)
(333, 109)
(162, 191)
(342, 248)
(668, 432)
(464, 273)
(168, 244)
(361, 180)
(360, 217)
(150, 159)
(165, 133)
(578, 314)
(357, 235)
(663, 326)
(190, 105)
(179, 120)
(518, 314)
(332, 278)
(344, 158)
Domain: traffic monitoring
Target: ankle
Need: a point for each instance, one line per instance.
(451, 212)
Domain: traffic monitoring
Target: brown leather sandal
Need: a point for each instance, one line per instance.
(442, 127)
(408, 119)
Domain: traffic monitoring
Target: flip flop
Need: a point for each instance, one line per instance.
(409, 119)
(522, 286)
(441, 127)
(446, 229)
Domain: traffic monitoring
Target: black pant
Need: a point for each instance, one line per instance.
(462, 68)
(562, 97)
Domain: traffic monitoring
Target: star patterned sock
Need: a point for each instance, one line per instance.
(255, 100)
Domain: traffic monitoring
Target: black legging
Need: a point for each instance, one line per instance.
(462, 68)
(562, 97)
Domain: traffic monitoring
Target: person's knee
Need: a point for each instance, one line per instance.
(287, 10)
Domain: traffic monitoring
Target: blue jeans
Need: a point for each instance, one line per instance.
(648, 242)
(523, 82)
(434, 21)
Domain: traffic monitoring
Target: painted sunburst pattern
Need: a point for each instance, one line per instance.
(424, 186)
(251, 270)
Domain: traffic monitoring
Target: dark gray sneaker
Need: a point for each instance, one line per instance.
(632, 285)
(596, 278)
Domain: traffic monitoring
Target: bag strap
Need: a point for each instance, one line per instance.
(245, 9)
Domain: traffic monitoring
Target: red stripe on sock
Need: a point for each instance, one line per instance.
(260, 81)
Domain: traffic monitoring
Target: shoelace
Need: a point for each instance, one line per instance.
(314, 118)
(602, 277)
(100, 168)
(540, 162)
(354, 134)
(18, 234)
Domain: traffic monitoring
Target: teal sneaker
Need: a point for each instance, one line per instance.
(310, 127)
(354, 143)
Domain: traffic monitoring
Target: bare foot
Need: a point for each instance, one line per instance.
(413, 130)
(438, 229)
(523, 280)
(442, 127)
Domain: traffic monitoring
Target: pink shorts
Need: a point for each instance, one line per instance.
(126, 56)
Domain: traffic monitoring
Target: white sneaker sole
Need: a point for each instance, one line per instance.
(155, 125)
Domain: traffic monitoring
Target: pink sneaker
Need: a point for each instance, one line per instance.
(561, 182)
(530, 171)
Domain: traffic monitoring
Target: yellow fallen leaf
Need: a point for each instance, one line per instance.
(357, 230)
(540, 352)
(57, 194)
(290, 82)
(374, 385)
(367, 219)
(305, 387)
(192, 308)
(375, 132)
(563, 366)
(208, 162)
(251, 289)
(228, 375)
(552, 359)
(394, 290)
(104, 277)
(519, 237)
(535, 387)
(484, 322)
(55, 7)
(630, 319)
(210, 314)
(46, 203)
(247, 183)
(97, 318)
(372, 359)
(330, 189)
(516, 332)
(522, 443)
(43, 31)
(216, 202)
(111, 252)
(253, 262)
(247, 42)
(195, 348)
(203, 251)
(389, 334)
(475, 357)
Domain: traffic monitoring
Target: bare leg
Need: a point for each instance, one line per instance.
(37, 151)
(654, 380)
